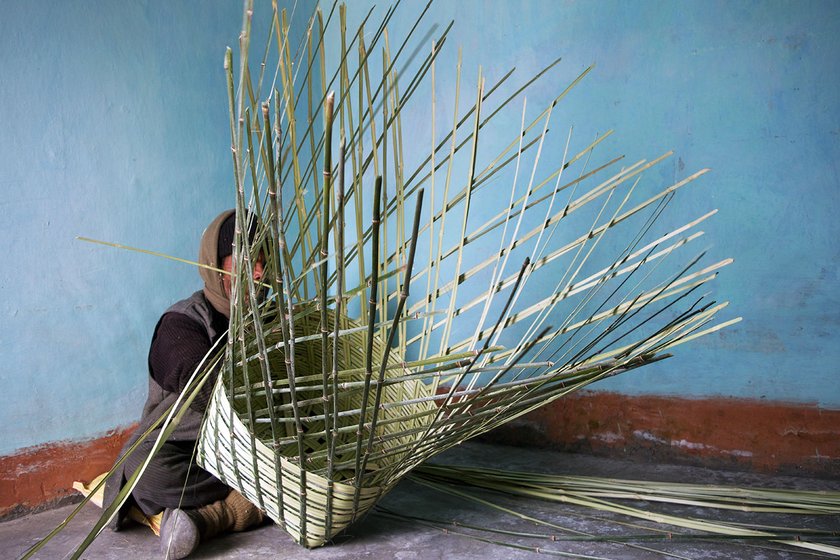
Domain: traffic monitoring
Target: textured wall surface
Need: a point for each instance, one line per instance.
(114, 126)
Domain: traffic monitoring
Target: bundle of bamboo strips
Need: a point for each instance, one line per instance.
(601, 494)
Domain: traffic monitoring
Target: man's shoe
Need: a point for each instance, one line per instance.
(179, 534)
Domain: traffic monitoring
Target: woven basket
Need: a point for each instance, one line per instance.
(239, 448)
(316, 444)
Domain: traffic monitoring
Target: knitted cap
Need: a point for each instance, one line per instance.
(226, 234)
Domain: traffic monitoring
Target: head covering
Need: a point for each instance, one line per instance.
(216, 244)
(208, 254)
(226, 232)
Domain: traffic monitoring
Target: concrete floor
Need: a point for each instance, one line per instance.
(381, 537)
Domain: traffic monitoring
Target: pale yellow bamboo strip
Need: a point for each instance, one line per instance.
(601, 189)
(497, 272)
(646, 298)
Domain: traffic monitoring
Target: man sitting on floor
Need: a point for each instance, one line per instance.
(194, 504)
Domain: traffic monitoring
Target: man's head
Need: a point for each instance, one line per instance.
(225, 250)
(216, 250)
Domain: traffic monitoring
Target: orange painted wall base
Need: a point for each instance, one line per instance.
(41, 477)
(722, 433)
(739, 434)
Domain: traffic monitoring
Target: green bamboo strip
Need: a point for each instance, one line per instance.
(282, 260)
(383, 232)
(433, 118)
(249, 288)
(339, 237)
(278, 284)
(287, 323)
(153, 253)
(362, 64)
(391, 10)
(283, 47)
(289, 101)
(356, 156)
(393, 329)
(234, 333)
(237, 322)
(322, 27)
(320, 217)
(397, 151)
(370, 334)
(329, 397)
(412, 87)
(244, 43)
(252, 164)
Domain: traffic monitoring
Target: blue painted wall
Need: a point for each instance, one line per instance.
(114, 126)
(750, 90)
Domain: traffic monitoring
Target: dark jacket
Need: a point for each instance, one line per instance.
(164, 384)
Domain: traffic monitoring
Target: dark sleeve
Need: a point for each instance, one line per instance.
(178, 346)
